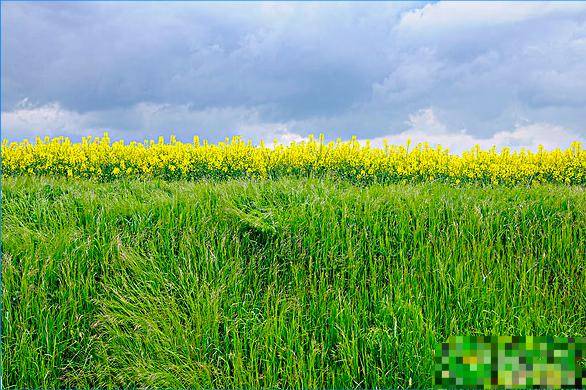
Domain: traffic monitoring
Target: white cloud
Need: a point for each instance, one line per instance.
(27, 121)
(270, 132)
(147, 120)
(424, 126)
(453, 15)
(532, 135)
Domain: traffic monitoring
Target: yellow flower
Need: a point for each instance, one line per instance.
(237, 158)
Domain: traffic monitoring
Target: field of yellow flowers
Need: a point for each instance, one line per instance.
(351, 160)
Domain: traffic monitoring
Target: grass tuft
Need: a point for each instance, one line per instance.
(274, 284)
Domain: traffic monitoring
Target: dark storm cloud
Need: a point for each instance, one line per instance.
(96, 56)
(263, 69)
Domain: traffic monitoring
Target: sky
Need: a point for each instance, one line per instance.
(453, 73)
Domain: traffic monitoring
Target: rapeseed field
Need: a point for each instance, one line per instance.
(350, 160)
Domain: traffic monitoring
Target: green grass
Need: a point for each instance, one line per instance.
(289, 283)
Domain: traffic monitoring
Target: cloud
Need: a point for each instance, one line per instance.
(424, 126)
(290, 69)
(270, 132)
(29, 121)
(450, 15)
(98, 56)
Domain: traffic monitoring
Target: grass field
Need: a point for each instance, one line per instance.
(284, 283)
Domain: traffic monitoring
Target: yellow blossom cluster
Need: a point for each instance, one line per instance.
(102, 159)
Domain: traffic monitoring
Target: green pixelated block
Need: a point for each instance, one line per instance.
(511, 362)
